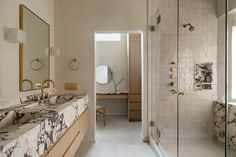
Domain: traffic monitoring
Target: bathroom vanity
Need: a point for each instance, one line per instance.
(52, 128)
(40, 124)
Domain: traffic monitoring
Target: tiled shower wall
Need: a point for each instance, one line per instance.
(199, 46)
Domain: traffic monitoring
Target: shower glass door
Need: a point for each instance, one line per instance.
(153, 97)
(193, 63)
(163, 75)
(197, 79)
(230, 75)
(207, 122)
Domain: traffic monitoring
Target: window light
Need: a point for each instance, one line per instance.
(233, 87)
(107, 37)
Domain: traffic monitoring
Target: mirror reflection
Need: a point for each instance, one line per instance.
(103, 74)
(34, 54)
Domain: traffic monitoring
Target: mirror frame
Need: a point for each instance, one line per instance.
(21, 49)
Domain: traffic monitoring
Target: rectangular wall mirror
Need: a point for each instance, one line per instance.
(34, 58)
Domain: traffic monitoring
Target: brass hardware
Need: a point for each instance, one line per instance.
(172, 76)
(158, 133)
(152, 123)
(37, 60)
(172, 84)
(74, 64)
(31, 83)
(152, 28)
(42, 88)
(180, 93)
(191, 27)
(173, 91)
(171, 69)
(158, 19)
(70, 86)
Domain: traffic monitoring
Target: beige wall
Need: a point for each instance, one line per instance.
(9, 53)
(76, 22)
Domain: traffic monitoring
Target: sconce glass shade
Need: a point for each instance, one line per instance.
(14, 35)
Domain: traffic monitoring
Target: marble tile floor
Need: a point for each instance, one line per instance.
(119, 138)
(195, 148)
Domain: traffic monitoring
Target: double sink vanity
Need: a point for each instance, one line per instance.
(41, 124)
(52, 127)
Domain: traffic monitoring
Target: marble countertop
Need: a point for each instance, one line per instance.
(30, 129)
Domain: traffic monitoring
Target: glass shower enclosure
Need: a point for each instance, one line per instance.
(192, 62)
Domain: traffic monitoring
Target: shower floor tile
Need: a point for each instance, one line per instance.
(195, 148)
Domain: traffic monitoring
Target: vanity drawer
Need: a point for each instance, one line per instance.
(134, 98)
(134, 115)
(134, 106)
(84, 124)
(61, 146)
(68, 144)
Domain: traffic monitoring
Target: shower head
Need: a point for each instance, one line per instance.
(191, 27)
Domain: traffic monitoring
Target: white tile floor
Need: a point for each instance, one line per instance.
(195, 148)
(119, 138)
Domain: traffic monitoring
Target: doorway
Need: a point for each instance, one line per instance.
(119, 82)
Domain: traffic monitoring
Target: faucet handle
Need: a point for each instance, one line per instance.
(180, 93)
(46, 95)
(173, 91)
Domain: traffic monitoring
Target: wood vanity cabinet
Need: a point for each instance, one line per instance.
(134, 83)
(70, 141)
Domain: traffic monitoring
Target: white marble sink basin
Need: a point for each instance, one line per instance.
(30, 130)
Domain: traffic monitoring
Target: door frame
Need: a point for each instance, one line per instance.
(144, 73)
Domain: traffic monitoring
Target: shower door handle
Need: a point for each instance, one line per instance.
(173, 91)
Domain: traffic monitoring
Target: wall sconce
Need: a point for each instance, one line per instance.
(53, 51)
(14, 35)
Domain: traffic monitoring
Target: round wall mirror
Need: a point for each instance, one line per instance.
(103, 74)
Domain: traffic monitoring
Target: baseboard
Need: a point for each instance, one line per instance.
(156, 148)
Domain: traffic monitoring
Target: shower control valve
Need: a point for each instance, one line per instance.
(180, 93)
(173, 91)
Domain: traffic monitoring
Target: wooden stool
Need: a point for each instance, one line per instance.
(100, 111)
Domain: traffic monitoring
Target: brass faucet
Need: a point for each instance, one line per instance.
(42, 87)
